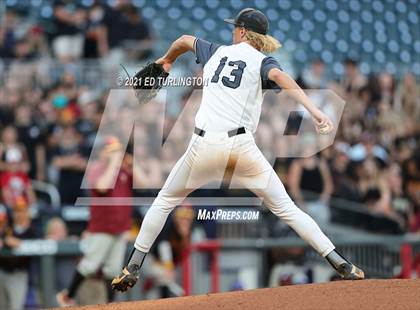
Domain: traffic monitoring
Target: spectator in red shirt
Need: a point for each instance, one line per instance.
(15, 184)
(110, 220)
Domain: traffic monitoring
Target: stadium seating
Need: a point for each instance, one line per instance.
(331, 30)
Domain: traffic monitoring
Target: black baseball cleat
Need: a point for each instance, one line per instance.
(127, 279)
(348, 271)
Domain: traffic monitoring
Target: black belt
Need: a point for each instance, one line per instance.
(231, 133)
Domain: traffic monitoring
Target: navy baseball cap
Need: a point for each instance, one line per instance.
(251, 19)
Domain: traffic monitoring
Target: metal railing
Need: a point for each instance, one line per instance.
(379, 255)
(50, 190)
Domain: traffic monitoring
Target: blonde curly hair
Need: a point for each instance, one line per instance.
(263, 43)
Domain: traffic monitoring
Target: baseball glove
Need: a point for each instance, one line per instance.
(149, 81)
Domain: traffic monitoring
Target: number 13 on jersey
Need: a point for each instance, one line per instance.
(235, 73)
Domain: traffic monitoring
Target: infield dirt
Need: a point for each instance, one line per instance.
(341, 295)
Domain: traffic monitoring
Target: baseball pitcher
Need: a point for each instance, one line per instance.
(228, 116)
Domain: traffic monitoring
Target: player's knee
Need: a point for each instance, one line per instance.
(282, 203)
(166, 202)
(282, 207)
(87, 269)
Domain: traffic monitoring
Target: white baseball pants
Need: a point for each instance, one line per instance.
(102, 250)
(205, 160)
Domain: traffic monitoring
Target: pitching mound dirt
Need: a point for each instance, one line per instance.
(360, 295)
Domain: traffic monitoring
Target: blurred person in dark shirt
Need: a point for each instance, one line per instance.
(90, 117)
(14, 270)
(115, 31)
(109, 224)
(374, 188)
(95, 44)
(115, 22)
(10, 97)
(415, 217)
(7, 34)
(338, 164)
(9, 140)
(138, 39)
(70, 21)
(69, 157)
(126, 30)
(15, 183)
(31, 135)
(400, 204)
(310, 184)
(348, 188)
(411, 183)
(353, 79)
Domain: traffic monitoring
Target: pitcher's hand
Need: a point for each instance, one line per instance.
(167, 65)
(323, 124)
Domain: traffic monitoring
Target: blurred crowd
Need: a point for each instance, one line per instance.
(78, 32)
(49, 117)
(375, 158)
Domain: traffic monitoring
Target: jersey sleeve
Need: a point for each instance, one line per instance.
(93, 174)
(3, 181)
(204, 50)
(267, 64)
(26, 180)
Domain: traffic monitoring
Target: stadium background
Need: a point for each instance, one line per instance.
(54, 81)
